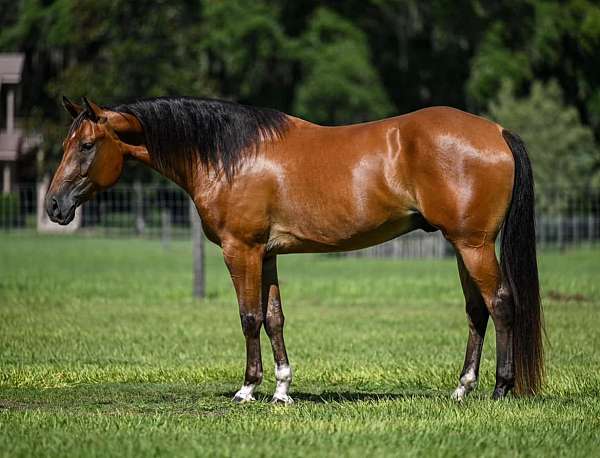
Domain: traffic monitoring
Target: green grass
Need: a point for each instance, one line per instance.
(103, 352)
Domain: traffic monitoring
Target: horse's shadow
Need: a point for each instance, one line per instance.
(327, 397)
(209, 400)
(184, 399)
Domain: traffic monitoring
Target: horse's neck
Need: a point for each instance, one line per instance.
(181, 178)
(140, 153)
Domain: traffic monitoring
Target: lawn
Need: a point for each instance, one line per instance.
(103, 352)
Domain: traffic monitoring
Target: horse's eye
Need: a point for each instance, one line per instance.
(87, 146)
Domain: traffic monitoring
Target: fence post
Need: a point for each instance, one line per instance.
(198, 252)
(165, 218)
(140, 224)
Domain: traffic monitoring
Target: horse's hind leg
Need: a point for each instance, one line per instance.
(479, 258)
(274, 320)
(477, 316)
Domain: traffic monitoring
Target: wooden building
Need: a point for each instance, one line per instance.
(11, 137)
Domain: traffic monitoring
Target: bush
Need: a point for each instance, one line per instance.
(10, 210)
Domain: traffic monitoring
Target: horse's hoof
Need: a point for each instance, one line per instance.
(459, 394)
(499, 394)
(282, 399)
(241, 397)
(241, 400)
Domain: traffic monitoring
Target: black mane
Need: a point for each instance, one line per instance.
(218, 133)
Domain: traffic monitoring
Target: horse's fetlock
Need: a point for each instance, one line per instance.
(469, 378)
(254, 376)
(283, 373)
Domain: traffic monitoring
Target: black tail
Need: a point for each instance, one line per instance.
(519, 267)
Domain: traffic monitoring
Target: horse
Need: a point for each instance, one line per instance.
(266, 183)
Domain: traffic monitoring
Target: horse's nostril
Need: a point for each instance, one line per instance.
(55, 209)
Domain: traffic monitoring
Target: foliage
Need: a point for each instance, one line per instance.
(247, 51)
(331, 62)
(540, 39)
(10, 209)
(104, 353)
(561, 148)
(492, 65)
(340, 85)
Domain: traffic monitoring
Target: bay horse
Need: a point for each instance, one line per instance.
(266, 183)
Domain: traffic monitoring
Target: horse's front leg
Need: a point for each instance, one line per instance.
(245, 266)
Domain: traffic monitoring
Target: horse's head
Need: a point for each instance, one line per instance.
(93, 156)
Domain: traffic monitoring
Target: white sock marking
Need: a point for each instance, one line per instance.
(468, 382)
(283, 375)
(245, 393)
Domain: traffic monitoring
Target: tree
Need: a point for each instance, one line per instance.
(339, 84)
(247, 52)
(109, 50)
(493, 64)
(540, 40)
(561, 148)
(331, 62)
(121, 49)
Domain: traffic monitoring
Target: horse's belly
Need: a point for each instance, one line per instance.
(321, 240)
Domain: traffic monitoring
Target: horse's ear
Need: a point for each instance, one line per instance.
(120, 122)
(71, 107)
(96, 113)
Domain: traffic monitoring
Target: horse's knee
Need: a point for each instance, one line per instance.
(251, 323)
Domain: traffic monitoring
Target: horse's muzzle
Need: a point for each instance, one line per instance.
(60, 209)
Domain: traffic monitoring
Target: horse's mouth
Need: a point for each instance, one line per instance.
(63, 217)
(68, 217)
(55, 206)
(63, 212)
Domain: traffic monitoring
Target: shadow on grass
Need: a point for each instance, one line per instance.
(147, 398)
(194, 400)
(327, 397)
(351, 396)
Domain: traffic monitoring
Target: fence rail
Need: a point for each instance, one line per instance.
(565, 218)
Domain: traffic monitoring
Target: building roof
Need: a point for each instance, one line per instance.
(11, 67)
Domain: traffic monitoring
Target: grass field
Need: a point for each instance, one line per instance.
(103, 352)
